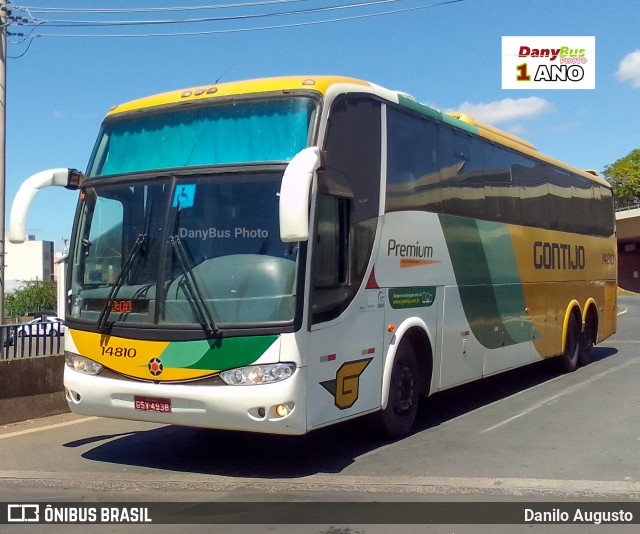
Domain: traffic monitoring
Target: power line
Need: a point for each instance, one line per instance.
(255, 28)
(24, 52)
(87, 23)
(25, 37)
(151, 9)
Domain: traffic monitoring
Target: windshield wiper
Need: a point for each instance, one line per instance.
(104, 315)
(102, 324)
(191, 289)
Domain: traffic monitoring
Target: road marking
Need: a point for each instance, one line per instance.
(564, 392)
(48, 427)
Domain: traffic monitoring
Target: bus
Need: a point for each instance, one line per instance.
(283, 254)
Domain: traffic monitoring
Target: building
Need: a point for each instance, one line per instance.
(28, 261)
(628, 232)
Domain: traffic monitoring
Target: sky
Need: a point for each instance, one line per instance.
(62, 79)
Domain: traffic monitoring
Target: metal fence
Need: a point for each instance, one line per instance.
(27, 340)
(627, 208)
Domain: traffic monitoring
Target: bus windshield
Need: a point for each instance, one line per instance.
(197, 250)
(178, 227)
(239, 131)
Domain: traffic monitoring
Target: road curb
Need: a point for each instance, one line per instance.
(32, 407)
(31, 388)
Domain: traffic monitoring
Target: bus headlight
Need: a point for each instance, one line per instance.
(258, 374)
(81, 364)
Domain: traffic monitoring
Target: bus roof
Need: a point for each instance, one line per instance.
(246, 87)
(504, 138)
(322, 85)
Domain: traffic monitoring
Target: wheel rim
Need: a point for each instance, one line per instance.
(572, 349)
(404, 390)
(591, 335)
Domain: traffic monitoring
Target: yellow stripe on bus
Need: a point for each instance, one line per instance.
(264, 85)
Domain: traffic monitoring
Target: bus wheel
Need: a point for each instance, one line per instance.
(589, 334)
(569, 359)
(397, 419)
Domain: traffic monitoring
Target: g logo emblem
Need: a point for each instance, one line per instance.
(347, 383)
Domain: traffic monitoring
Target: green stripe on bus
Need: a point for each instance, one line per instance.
(216, 354)
(457, 123)
(486, 272)
(419, 108)
(437, 115)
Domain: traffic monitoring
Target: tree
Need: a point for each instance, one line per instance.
(624, 176)
(34, 297)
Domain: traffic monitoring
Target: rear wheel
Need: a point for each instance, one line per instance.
(569, 359)
(397, 419)
(589, 334)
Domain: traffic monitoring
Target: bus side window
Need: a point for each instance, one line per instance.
(559, 205)
(413, 177)
(502, 198)
(331, 289)
(346, 218)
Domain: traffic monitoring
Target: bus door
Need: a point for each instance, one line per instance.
(346, 319)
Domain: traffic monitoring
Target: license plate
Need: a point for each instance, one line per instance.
(147, 404)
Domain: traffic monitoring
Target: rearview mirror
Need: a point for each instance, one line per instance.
(294, 195)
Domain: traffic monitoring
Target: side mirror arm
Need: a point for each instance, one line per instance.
(69, 178)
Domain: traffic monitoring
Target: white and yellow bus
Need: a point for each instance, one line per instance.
(283, 254)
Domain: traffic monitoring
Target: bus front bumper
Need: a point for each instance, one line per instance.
(277, 408)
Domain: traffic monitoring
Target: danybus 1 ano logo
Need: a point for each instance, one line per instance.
(549, 62)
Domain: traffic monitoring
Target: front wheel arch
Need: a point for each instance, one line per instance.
(415, 332)
(406, 376)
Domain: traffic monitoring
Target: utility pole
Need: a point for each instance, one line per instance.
(3, 127)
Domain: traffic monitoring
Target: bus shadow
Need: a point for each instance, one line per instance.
(328, 450)
(460, 400)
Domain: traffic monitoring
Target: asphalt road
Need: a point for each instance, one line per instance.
(530, 435)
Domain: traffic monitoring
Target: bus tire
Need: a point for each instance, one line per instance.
(571, 355)
(589, 333)
(397, 419)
